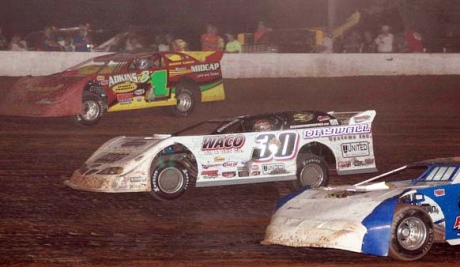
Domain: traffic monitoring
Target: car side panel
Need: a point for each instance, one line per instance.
(448, 199)
(260, 156)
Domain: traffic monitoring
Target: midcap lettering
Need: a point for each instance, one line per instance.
(130, 77)
(334, 131)
(223, 142)
(205, 67)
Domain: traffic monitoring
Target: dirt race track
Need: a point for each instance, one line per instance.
(44, 223)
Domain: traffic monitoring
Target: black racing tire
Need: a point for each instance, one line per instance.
(92, 110)
(412, 233)
(186, 95)
(169, 180)
(312, 170)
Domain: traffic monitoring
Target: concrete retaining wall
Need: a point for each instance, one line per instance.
(262, 65)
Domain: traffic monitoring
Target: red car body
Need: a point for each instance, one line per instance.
(120, 82)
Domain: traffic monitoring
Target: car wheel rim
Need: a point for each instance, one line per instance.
(91, 111)
(312, 175)
(411, 233)
(170, 180)
(184, 102)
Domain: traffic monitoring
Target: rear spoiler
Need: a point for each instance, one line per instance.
(356, 117)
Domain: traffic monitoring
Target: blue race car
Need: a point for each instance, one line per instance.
(416, 206)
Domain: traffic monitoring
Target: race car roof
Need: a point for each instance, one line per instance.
(450, 161)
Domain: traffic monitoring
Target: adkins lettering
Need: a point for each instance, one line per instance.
(130, 77)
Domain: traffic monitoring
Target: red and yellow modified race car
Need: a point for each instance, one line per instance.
(120, 82)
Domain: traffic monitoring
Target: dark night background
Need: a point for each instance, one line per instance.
(189, 17)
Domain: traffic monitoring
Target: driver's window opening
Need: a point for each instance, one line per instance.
(146, 63)
(441, 174)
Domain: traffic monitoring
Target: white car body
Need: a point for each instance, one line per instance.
(232, 155)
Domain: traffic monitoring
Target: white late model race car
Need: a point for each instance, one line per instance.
(286, 146)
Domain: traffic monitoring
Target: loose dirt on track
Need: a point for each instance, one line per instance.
(44, 223)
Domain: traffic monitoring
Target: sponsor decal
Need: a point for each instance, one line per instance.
(136, 186)
(365, 162)
(334, 122)
(369, 161)
(228, 174)
(363, 118)
(323, 118)
(255, 167)
(356, 149)
(100, 78)
(210, 174)
(303, 117)
(349, 137)
(230, 164)
(337, 130)
(440, 192)
(138, 179)
(139, 92)
(125, 98)
(344, 164)
(223, 142)
(255, 173)
(243, 172)
(205, 67)
(129, 77)
(457, 223)
(181, 63)
(358, 163)
(124, 87)
(277, 168)
(219, 159)
(207, 166)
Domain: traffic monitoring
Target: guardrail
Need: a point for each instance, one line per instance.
(270, 65)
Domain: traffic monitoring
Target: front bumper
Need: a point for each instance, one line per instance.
(107, 183)
(324, 234)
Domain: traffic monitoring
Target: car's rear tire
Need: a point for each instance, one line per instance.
(412, 233)
(312, 171)
(169, 180)
(186, 95)
(92, 110)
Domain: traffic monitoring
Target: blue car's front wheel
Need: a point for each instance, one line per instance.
(412, 233)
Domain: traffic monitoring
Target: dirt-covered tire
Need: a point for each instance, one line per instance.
(186, 95)
(312, 170)
(91, 112)
(412, 233)
(169, 181)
